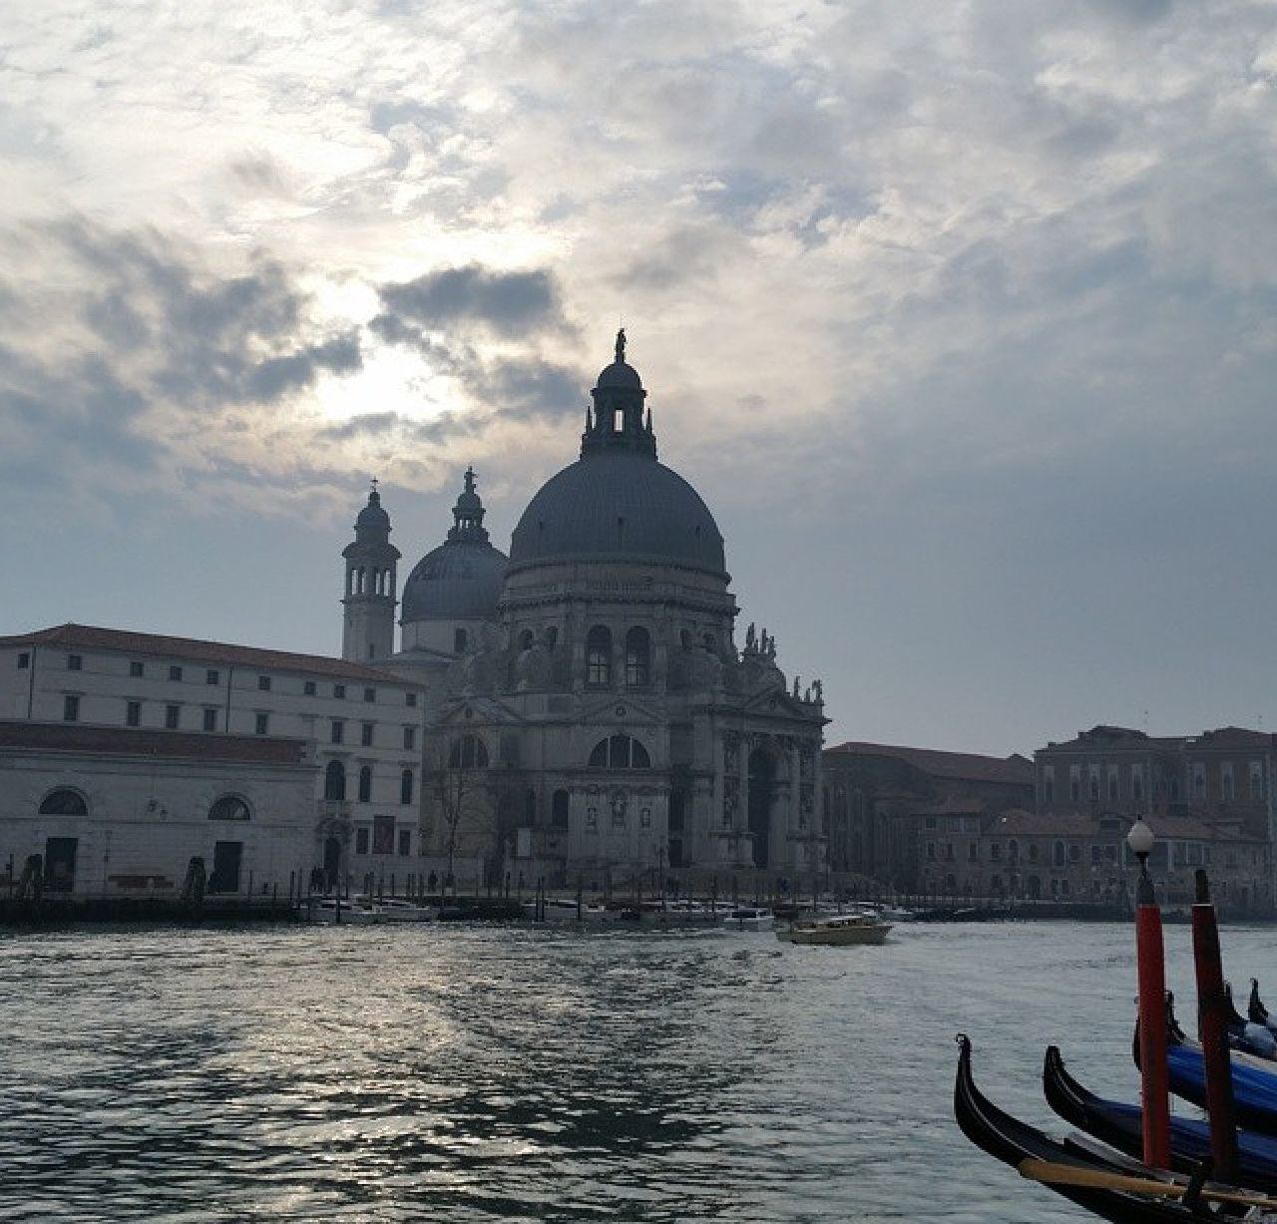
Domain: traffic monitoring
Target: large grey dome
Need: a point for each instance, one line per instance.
(462, 578)
(618, 504)
(459, 580)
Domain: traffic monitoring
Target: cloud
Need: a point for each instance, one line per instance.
(508, 304)
(131, 362)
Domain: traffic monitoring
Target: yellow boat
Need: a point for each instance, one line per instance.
(836, 929)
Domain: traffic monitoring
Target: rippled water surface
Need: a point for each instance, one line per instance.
(482, 1073)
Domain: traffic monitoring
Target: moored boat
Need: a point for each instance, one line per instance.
(835, 930)
(338, 910)
(1121, 1126)
(1110, 1185)
(749, 918)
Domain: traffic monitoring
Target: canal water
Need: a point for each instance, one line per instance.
(479, 1073)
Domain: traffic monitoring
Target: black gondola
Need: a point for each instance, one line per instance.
(1119, 1189)
(1121, 1126)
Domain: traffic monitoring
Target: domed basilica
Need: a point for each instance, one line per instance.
(590, 716)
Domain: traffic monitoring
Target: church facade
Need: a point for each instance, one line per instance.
(591, 720)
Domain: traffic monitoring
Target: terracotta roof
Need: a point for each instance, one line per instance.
(1230, 737)
(953, 805)
(127, 741)
(1108, 737)
(966, 765)
(89, 637)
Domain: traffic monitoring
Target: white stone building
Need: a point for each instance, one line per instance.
(362, 728)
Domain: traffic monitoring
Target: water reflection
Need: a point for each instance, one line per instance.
(469, 1074)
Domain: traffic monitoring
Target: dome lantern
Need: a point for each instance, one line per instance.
(618, 422)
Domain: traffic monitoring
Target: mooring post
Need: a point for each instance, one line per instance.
(1151, 957)
(1212, 1023)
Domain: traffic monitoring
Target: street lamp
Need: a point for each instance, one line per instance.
(1140, 839)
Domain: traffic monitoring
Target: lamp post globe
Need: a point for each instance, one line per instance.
(1140, 839)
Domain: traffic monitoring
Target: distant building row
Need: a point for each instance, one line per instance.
(1055, 828)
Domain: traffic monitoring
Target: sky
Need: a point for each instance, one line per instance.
(959, 316)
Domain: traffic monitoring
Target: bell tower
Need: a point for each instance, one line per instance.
(368, 635)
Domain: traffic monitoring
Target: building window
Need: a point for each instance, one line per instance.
(598, 657)
(931, 851)
(1075, 782)
(365, 784)
(172, 716)
(361, 840)
(370, 694)
(383, 835)
(365, 734)
(174, 672)
(410, 738)
(308, 688)
(337, 733)
(1137, 783)
(339, 690)
(262, 724)
(591, 818)
(1198, 780)
(263, 684)
(1226, 781)
(229, 807)
(410, 699)
(405, 843)
(75, 662)
(1048, 783)
(1094, 783)
(335, 781)
(1033, 852)
(619, 752)
(70, 708)
(995, 851)
(1075, 853)
(459, 641)
(133, 714)
(210, 720)
(468, 752)
(212, 676)
(136, 669)
(24, 660)
(1095, 856)
(638, 658)
(405, 786)
(559, 810)
(1112, 783)
(63, 802)
(973, 852)
(1256, 779)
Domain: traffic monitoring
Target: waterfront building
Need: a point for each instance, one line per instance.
(184, 705)
(596, 722)
(890, 806)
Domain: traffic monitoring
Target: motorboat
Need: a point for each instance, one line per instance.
(396, 909)
(836, 930)
(749, 918)
(337, 910)
(563, 909)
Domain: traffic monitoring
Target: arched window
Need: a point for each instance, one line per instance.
(530, 808)
(365, 784)
(559, 809)
(638, 658)
(229, 807)
(335, 781)
(405, 786)
(709, 643)
(551, 637)
(526, 639)
(467, 752)
(1059, 854)
(598, 657)
(620, 752)
(64, 802)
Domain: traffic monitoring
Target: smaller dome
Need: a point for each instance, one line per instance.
(620, 374)
(462, 578)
